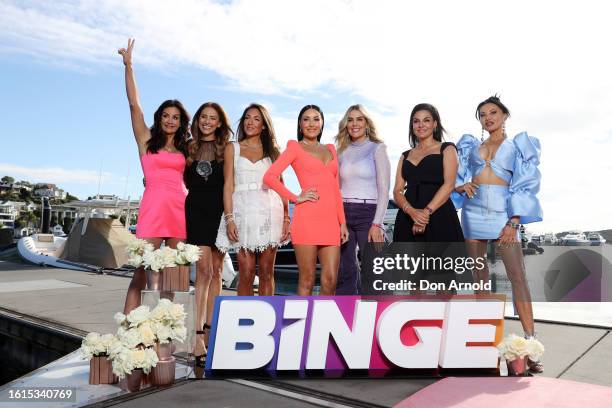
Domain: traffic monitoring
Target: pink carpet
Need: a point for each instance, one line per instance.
(496, 392)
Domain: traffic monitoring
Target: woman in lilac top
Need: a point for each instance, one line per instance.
(364, 184)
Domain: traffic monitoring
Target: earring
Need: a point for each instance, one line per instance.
(482, 134)
(367, 132)
(504, 129)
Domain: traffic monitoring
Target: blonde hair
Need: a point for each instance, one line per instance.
(343, 140)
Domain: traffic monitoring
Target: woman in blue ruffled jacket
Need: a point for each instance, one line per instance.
(496, 187)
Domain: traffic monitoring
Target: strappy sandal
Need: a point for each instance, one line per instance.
(200, 360)
(535, 367)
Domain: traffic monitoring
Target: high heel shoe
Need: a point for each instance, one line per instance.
(200, 361)
(535, 367)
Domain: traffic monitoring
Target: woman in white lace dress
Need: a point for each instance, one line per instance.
(256, 220)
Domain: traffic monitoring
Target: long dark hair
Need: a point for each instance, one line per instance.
(267, 136)
(300, 135)
(158, 138)
(222, 133)
(495, 101)
(438, 132)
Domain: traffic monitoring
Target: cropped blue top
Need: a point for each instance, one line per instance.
(516, 162)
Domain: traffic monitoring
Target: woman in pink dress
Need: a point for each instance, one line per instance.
(162, 154)
(318, 227)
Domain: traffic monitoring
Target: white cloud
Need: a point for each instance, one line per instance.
(55, 174)
(550, 64)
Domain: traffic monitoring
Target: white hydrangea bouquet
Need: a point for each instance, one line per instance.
(187, 254)
(136, 329)
(136, 337)
(159, 259)
(97, 349)
(515, 349)
(168, 321)
(97, 345)
(175, 264)
(126, 360)
(136, 251)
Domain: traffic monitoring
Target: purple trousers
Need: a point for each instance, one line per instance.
(359, 218)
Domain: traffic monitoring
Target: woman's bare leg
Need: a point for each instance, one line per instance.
(512, 256)
(204, 272)
(478, 249)
(306, 256)
(214, 289)
(138, 282)
(329, 257)
(266, 271)
(246, 272)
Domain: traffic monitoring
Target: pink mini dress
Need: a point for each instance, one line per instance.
(162, 209)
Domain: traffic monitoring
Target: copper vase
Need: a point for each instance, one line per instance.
(176, 279)
(133, 381)
(517, 367)
(164, 372)
(164, 351)
(101, 370)
(154, 279)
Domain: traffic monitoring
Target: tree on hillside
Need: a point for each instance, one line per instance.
(7, 180)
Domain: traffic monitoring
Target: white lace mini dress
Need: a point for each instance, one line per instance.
(258, 210)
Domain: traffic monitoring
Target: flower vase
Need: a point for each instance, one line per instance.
(176, 278)
(517, 367)
(101, 370)
(133, 381)
(164, 372)
(154, 279)
(164, 351)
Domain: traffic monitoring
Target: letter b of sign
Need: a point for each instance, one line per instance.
(244, 339)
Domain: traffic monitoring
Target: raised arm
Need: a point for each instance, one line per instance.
(139, 127)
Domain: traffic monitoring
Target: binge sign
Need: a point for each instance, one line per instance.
(335, 334)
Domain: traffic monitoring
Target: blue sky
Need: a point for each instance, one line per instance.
(65, 111)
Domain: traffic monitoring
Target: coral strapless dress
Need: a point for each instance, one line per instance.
(162, 209)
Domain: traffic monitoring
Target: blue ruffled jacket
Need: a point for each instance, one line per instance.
(516, 161)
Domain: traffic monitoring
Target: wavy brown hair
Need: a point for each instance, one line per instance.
(222, 134)
(267, 136)
(343, 139)
(158, 138)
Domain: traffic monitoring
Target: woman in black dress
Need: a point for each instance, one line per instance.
(210, 132)
(424, 181)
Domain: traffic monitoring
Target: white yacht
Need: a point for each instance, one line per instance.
(550, 239)
(595, 238)
(575, 238)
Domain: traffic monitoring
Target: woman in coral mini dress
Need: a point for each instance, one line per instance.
(318, 227)
(162, 154)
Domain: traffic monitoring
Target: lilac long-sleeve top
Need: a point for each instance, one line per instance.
(365, 173)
